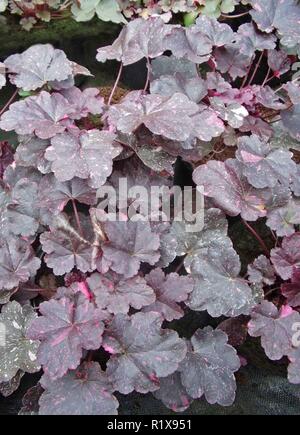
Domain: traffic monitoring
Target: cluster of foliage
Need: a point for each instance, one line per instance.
(117, 11)
(93, 302)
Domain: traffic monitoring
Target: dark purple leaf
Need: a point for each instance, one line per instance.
(167, 85)
(138, 39)
(84, 391)
(117, 294)
(89, 154)
(274, 327)
(31, 153)
(291, 291)
(141, 352)
(45, 115)
(230, 60)
(38, 65)
(65, 328)
(284, 16)
(166, 116)
(218, 287)
(169, 290)
(282, 220)
(130, 243)
(30, 401)
(173, 394)
(263, 166)
(230, 190)
(249, 39)
(9, 387)
(17, 262)
(209, 367)
(55, 195)
(261, 271)
(287, 257)
(18, 352)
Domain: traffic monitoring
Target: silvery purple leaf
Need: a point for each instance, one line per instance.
(84, 102)
(284, 16)
(54, 195)
(219, 34)
(282, 139)
(64, 252)
(287, 257)
(279, 62)
(230, 190)
(117, 294)
(138, 39)
(170, 65)
(233, 113)
(189, 44)
(17, 262)
(31, 153)
(141, 352)
(206, 124)
(209, 367)
(263, 166)
(18, 352)
(216, 82)
(8, 388)
(193, 244)
(84, 391)
(257, 126)
(218, 287)
(230, 60)
(261, 271)
(2, 75)
(290, 120)
(291, 291)
(267, 97)
(293, 91)
(45, 115)
(166, 116)
(37, 66)
(274, 327)
(282, 220)
(249, 39)
(129, 244)
(89, 154)
(20, 213)
(167, 85)
(173, 394)
(65, 328)
(170, 290)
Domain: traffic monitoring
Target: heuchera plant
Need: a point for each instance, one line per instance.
(95, 303)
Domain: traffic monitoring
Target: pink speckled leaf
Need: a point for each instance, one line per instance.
(209, 367)
(166, 116)
(274, 327)
(66, 327)
(230, 190)
(173, 394)
(261, 271)
(117, 294)
(170, 290)
(287, 257)
(45, 115)
(218, 287)
(141, 352)
(84, 391)
(129, 244)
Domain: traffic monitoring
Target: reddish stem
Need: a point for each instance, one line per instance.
(258, 238)
(235, 16)
(148, 74)
(256, 68)
(9, 101)
(115, 85)
(77, 218)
